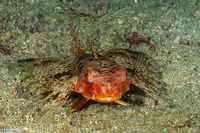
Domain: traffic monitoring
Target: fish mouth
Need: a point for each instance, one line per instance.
(106, 99)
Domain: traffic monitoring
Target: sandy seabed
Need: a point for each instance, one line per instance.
(37, 28)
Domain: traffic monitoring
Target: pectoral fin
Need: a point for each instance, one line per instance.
(79, 103)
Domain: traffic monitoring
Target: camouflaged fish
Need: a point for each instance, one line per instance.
(102, 78)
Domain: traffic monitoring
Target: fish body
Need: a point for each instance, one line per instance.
(102, 78)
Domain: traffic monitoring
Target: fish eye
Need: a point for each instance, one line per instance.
(86, 75)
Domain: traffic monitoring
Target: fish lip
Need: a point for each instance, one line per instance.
(107, 99)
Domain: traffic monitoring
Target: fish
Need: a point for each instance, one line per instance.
(99, 77)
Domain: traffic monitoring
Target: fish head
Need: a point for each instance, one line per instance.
(103, 86)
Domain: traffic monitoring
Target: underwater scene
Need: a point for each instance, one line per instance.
(100, 66)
